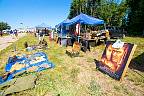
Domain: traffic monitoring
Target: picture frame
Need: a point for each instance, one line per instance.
(115, 61)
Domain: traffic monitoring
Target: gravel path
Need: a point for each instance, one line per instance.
(8, 40)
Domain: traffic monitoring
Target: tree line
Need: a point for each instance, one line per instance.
(128, 14)
(4, 26)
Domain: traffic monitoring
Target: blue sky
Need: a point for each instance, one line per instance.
(33, 12)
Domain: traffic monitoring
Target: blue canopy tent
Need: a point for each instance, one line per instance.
(81, 19)
(65, 22)
(85, 19)
(62, 30)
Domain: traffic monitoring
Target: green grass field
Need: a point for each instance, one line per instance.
(78, 76)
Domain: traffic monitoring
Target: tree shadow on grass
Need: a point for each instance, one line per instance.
(138, 63)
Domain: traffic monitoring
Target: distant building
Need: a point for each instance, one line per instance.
(33, 29)
(44, 28)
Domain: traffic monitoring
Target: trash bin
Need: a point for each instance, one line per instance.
(64, 41)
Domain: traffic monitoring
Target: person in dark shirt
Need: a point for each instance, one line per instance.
(85, 45)
(16, 33)
(1, 33)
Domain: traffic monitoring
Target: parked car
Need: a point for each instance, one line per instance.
(115, 32)
(6, 31)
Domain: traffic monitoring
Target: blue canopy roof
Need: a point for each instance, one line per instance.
(82, 19)
(65, 22)
(85, 19)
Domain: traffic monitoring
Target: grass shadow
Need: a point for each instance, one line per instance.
(138, 36)
(138, 63)
(96, 63)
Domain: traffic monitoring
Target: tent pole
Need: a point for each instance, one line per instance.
(105, 26)
(79, 32)
(61, 36)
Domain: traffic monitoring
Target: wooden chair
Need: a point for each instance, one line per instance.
(73, 51)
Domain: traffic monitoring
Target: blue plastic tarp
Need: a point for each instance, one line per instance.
(29, 62)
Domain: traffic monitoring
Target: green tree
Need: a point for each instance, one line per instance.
(73, 10)
(110, 11)
(135, 17)
(4, 26)
(77, 6)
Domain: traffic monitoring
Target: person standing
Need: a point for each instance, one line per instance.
(1, 33)
(41, 35)
(11, 33)
(16, 33)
